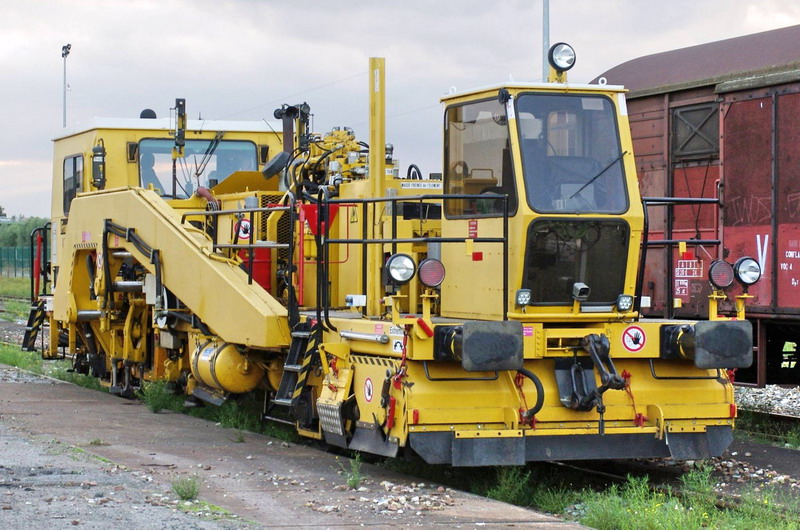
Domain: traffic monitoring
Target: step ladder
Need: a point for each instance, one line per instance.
(35, 321)
(296, 368)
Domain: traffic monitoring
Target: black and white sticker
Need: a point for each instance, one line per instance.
(244, 229)
(368, 390)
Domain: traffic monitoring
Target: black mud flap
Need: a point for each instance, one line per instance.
(474, 452)
(371, 440)
(491, 346)
(445, 448)
(723, 344)
(694, 446)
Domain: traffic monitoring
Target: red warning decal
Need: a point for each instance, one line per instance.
(368, 390)
(634, 338)
(244, 229)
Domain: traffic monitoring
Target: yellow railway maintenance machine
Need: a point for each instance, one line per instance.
(485, 316)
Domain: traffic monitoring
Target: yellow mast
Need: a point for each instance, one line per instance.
(377, 172)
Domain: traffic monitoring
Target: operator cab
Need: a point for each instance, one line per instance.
(559, 154)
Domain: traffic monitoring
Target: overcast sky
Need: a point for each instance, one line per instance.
(240, 59)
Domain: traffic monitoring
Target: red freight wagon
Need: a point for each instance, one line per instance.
(723, 120)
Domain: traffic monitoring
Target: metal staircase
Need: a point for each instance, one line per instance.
(296, 368)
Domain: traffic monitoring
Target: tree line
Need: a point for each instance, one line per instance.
(16, 232)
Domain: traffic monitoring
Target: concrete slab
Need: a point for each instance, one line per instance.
(273, 483)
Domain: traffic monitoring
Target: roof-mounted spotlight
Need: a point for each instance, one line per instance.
(561, 57)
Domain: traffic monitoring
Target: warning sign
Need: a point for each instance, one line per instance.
(244, 229)
(368, 390)
(634, 338)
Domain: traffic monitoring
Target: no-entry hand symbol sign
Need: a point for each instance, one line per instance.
(634, 338)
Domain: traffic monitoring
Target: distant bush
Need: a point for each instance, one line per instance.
(17, 232)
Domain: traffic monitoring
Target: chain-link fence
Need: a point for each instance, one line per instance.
(15, 261)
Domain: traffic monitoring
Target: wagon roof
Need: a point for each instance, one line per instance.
(751, 57)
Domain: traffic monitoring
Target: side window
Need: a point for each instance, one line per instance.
(73, 179)
(695, 131)
(478, 159)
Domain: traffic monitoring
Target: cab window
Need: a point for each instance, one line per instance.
(478, 159)
(73, 179)
(206, 163)
(571, 154)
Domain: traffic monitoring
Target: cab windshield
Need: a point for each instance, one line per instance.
(206, 163)
(571, 154)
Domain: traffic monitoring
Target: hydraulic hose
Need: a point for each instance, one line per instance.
(531, 412)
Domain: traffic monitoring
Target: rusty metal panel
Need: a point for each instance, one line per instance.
(654, 285)
(747, 177)
(690, 271)
(694, 221)
(648, 126)
(787, 276)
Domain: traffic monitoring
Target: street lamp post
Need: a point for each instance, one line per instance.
(64, 52)
(545, 39)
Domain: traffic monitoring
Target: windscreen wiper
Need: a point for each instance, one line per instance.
(599, 174)
(212, 146)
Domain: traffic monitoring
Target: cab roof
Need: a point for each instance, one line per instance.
(554, 87)
(168, 124)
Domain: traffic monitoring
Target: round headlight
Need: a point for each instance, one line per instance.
(561, 56)
(747, 270)
(431, 272)
(720, 274)
(401, 268)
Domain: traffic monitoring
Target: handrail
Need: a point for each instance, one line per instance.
(324, 241)
(646, 243)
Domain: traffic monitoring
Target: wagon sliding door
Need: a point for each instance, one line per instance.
(748, 146)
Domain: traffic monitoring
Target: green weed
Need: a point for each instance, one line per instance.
(61, 370)
(511, 486)
(233, 415)
(352, 475)
(699, 483)
(187, 488)
(157, 396)
(13, 356)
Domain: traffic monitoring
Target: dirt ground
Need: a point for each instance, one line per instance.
(73, 457)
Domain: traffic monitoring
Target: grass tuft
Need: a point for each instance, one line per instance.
(352, 475)
(19, 287)
(511, 486)
(158, 396)
(13, 356)
(187, 488)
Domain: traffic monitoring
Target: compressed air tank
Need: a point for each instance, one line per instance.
(222, 366)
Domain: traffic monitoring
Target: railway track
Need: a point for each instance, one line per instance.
(5, 299)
